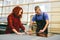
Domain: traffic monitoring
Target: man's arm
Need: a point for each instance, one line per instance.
(30, 31)
(47, 22)
(31, 24)
(46, 26)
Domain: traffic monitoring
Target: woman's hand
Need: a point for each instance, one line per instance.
(18, 33)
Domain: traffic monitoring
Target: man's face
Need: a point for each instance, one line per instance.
(38, 11)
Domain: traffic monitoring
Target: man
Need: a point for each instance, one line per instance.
(42, 21)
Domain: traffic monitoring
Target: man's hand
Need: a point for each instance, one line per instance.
(41, 31)
(29, 32)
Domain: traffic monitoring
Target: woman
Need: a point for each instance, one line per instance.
(14, 22)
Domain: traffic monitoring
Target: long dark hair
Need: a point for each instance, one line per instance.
(16, 10)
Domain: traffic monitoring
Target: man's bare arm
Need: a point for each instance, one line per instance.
(47, 23)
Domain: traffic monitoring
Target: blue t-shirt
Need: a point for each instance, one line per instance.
(40, 16)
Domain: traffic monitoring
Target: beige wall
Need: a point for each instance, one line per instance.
(55, 17)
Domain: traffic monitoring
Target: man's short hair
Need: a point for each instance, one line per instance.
(36, 7)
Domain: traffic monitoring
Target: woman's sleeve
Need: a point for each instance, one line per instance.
(10, 22)
(21, 26)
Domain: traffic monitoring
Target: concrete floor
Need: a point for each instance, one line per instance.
(27, 37)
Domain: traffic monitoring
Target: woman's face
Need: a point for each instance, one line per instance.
(20, 12)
